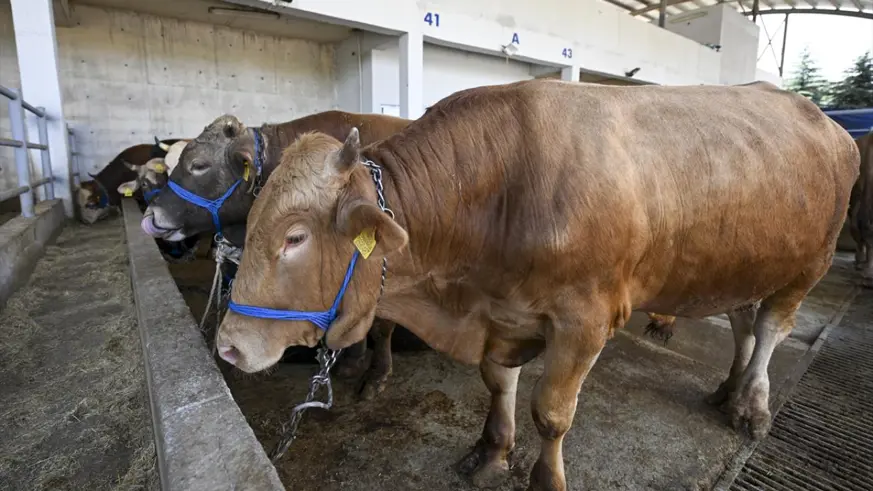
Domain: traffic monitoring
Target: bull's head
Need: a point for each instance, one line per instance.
(299, 243)
(150, 178)
(92, 200)
(208, 166)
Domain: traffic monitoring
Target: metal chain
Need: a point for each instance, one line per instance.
(376, 172)
(326, 359)
(326, 356)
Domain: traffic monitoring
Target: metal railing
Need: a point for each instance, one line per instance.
(74, 157)
(19, 142)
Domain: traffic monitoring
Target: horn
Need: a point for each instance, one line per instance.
(157, 142)
(164, 146)
(91, 175)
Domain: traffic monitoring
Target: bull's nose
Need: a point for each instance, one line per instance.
(229, 354)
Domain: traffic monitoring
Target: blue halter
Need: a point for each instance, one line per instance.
(322, 320)
(213, 206)
(150, 194)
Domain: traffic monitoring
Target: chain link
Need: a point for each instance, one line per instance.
(326, 359)
(376, 172)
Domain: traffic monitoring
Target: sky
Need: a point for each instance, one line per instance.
(833, 41)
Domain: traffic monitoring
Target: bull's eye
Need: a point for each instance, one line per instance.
(295, 239)
(199, 167)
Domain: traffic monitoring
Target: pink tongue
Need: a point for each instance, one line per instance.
(148, 226)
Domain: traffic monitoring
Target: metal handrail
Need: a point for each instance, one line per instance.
(26, 187)
(74, 157)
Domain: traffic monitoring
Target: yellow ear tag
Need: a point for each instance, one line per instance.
(159, 167)
(366, 242)
(128, 193)
(246, 173)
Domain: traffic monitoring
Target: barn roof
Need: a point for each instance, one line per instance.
(648, 9)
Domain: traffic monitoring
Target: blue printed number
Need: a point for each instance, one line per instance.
(432, 19)
(568, 52)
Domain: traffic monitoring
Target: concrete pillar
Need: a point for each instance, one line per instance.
(411, 75)
(570, 73)
(34, 26)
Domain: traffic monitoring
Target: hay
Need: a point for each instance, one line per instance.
(74, 405)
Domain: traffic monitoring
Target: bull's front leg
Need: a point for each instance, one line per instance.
(488, 464)
(353, 361)
(376, 378)
(572, 347)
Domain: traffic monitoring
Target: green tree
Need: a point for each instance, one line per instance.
(855, 90)
(807, 80)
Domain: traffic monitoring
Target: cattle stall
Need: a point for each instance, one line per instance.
(109, 380)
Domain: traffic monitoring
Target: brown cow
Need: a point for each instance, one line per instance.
(219, 154)
(533, 217)
(861, 210)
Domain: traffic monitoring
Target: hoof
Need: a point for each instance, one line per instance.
(720, 396)
(749, 410)
(659, 331)
(371, 387)
(483, 474)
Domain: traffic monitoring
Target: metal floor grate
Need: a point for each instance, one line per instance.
(822, 438)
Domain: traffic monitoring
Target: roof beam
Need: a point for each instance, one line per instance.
(845, 13)
(669, 3)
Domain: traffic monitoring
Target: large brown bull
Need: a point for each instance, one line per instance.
(532, 218)
(217, 158)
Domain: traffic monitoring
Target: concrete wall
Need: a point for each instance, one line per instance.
(724, 26)
(604, 37)
(445, 71)
(373, 85)
(129, 76)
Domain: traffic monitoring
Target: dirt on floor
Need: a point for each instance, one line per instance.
(73, 405)
(641, 423)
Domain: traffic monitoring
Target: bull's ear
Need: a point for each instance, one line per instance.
(350, 153)
(363, 222)
(128, 188)
(157, 165)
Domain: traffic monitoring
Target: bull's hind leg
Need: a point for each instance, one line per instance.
(749, 403)
(376, 378)
(743, 327)
(487, 464)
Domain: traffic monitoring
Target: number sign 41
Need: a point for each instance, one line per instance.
(432, 19)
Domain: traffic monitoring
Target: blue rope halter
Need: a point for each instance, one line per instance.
(322, 319)
(213, 206)
(150, 194)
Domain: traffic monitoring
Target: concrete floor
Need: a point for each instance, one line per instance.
(641, 422)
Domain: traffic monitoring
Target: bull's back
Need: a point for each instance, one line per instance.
(338, 124)
(698, 199)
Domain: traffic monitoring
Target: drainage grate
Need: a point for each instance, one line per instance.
(822, 438)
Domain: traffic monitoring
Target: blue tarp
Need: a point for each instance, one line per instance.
(858, 122)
